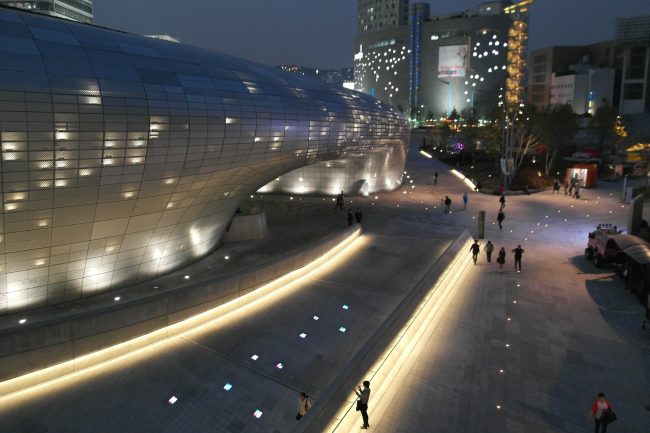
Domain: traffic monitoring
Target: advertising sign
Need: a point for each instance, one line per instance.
(452, 61)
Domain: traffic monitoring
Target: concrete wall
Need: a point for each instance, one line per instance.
(43, 344)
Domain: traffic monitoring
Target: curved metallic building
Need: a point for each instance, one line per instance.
(125, 157)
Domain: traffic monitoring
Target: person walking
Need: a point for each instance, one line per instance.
(501, 259)
(600, 410)
(465, 200)
(488, 248)
(435, 178)
(500, 217)
(565, 186)
(350, 217)
(339, 201)
(362, 403)
(502, 200)
(577, 192)
(447, 204)
(556, 185)
(518, 253)
(475, 249)
(303, 405)
(358, 216)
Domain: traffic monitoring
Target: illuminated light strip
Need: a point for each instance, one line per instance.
(143, 346)
(464, 178)
(427, 154)
(418, 324)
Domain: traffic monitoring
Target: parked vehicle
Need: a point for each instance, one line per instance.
(602, 247)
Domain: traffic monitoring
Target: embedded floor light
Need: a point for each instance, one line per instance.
(303, 335)
(427, 154)
(342, 329)
(345, 307)
(279, 366)
(22, 321)
(187, 277)
(173, 400)
(117, 298)
(227, 387)
(258, 413)
(254, 357)
(227, 257)
(316, 317)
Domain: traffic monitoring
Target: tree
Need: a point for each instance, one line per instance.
(526, 130)
(606, 118)
(557, 124)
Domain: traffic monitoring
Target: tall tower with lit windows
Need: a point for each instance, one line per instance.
(76, 10)
(376, 15)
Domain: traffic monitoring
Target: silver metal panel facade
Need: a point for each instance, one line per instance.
(125, 157)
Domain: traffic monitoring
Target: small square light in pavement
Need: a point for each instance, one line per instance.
(22, 321)
(227, 386)
(173, 400)
(254, 357)
(279, 366)
(303, 335)
(187, 277)
(258, 413)
(117, 298)
(316, 317)
(342, 329)
(345, 306)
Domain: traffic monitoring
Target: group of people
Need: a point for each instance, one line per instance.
(571, 187)
(475, 249)
(352, 217)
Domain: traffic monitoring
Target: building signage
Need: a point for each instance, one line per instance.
(452, 61)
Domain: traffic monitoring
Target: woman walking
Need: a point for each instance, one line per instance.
(501, 259)
(600, 410)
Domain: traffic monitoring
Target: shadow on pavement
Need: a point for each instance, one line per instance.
(584, 266)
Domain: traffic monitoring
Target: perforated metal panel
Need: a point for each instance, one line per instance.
(125, 157)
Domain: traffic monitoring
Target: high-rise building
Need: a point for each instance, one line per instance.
(376, 15)
(76, 10)
(432, 65)
(633, 34)
(628, 56)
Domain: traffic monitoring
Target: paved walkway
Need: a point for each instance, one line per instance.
(523, 352)
(572, 332)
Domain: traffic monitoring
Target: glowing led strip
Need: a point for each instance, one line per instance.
(464, 178)
(419, 321)
(106, 358)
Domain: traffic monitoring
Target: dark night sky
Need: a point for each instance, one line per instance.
(320, 33)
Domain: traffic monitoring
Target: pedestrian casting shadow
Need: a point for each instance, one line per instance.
(584, 266)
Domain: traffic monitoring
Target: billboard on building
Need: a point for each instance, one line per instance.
(452, 61)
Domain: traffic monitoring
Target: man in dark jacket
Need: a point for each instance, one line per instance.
(500, 217)
(475, 249)
(518, 253)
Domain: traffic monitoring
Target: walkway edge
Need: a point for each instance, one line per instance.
(329, 403)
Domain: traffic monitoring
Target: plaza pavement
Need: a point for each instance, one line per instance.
(572, 333)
